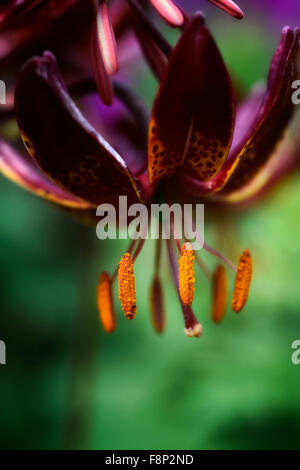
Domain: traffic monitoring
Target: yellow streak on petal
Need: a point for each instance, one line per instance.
(16, 178)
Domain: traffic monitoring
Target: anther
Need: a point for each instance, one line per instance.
(127, 292)
(242, 282)
(105, 303)
(106, 39)
(169, 12)
(230, 7)
(186, 274)
(219, 294)
(157, 306)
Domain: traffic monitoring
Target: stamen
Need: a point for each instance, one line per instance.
(186, 274)
(157, 306)
(129, 250)
(209, 249)
(230, 7)
(106, 39)
(219, 294)
(156, 294)
(143, 19)
(156, 59)
(103, 80)
(203, 266)
(127, 292)
(169, 12)
(223, 258)
(172, 218)
(242, 282)
(105, 303)
(138, 249)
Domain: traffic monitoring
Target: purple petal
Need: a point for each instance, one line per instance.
(26, 174)
(63, 144)
(193, 114)
(253, 149)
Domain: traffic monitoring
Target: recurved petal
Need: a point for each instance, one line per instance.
(252, 149)
(193, 113)
(62, 142)
(274, 115)
(24, 172)
(285, 160)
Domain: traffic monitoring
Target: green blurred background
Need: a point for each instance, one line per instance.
(67, 384)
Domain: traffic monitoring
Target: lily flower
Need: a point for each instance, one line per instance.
(198, 144)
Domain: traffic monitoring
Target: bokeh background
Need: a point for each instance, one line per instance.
(69, 385)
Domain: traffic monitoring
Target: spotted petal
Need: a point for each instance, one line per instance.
(62, 142)
(193, 113)
(24, 172)
(251, 150)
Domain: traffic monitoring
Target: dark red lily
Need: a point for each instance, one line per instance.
(196, 141)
